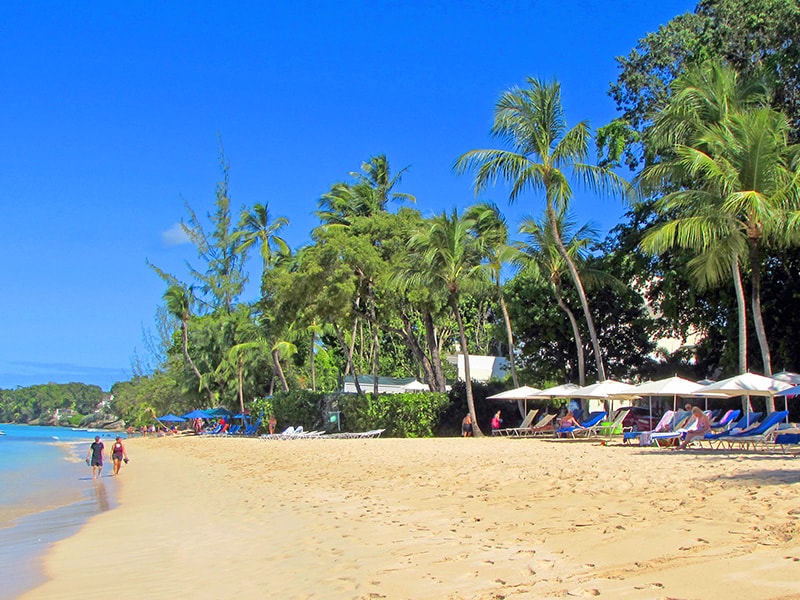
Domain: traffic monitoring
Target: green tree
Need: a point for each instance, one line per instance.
(449, 258)
(491, 231)
(539, 253)
(543, 153)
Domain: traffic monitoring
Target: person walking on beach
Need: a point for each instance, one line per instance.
(95, 457)
(118, 454)
(272, 423)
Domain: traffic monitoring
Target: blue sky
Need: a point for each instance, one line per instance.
(112, 114)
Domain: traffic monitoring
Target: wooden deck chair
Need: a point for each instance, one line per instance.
(543, 426)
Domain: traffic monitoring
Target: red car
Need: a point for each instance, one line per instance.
(639, 419)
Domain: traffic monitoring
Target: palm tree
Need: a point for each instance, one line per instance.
(257, 228)
(542, 153)
(179, 302)
(739, 186)
(540, 254)
(449, 258)
(491, 231)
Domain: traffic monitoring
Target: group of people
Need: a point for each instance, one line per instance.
(94, 458)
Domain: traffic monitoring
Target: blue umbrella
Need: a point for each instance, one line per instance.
(170, 418)
(197, 414)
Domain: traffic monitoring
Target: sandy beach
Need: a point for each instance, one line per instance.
(437, 518)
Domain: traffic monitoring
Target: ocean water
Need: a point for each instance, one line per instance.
(46, 494)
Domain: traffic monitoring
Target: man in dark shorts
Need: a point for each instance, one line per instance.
(95, 457)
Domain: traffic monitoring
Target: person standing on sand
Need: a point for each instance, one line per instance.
(118, 454)
(95, 457)
(466, 426)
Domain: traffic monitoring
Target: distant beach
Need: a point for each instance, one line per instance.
(436, 518)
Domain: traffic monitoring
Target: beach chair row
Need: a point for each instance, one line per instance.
(748, 432)
(295, 433)
(594, 426)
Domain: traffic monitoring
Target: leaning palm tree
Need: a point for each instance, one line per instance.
(448, 257)
(491, 231)
(542, 155)
(539, 254)
(179, 304)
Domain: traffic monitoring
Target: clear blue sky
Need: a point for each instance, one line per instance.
(111, 114)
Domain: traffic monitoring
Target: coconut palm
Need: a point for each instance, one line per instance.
(539, 254)
(738, 176)
(179, 304)
(543, 155)
(257, 227)
(449, 258)
(491, 232)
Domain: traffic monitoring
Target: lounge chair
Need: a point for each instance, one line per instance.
(726, 420)
(788, 440)
(762, 434)
(587, 428)
(543, 426)
(524, 426)
(252, 429)
(738, 427)
(664, 424)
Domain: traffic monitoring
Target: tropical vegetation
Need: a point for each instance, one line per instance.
(704, 155)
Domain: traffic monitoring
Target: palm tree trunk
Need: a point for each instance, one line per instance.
(417, 351)
(433, 347)
(755, 301)
(311, 361)
(576, 279)
(348, 353)
(279, 370)
(375, 344)
(576, 332)
(509, 334)
(742, 318)
(758, 318)
(476, 431)
(185, 336)
(240, 376)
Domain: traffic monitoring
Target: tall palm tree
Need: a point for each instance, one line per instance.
(539, 253)
(449, 258)
(257, 227)
(542, 155)
(738, 176)
(491, 232)
(179, 304)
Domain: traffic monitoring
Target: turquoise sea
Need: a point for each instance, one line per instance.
(46, 494)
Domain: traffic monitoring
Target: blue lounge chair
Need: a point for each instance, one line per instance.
(763, 433)
(252, 429)
(587, 427)
(726, 420)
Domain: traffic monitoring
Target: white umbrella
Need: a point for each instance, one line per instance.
(521, 393)
(748, 384)
(788, 377)
(671, 386)
(604, 390)
(558, 391)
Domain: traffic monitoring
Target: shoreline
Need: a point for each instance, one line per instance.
(437, 518)
(40, 519)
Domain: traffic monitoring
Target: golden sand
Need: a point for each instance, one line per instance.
(436, 519)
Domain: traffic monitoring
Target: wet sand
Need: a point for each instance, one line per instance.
(437, 518)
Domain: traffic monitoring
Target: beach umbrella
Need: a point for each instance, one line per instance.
(220, 411)
(558, 391)
(170, 418)
(788, 377)
(671, 386)
(603, 390)
(792, 391)
(197, 414)
(416, 386)
(523, 393)
(748, 384)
